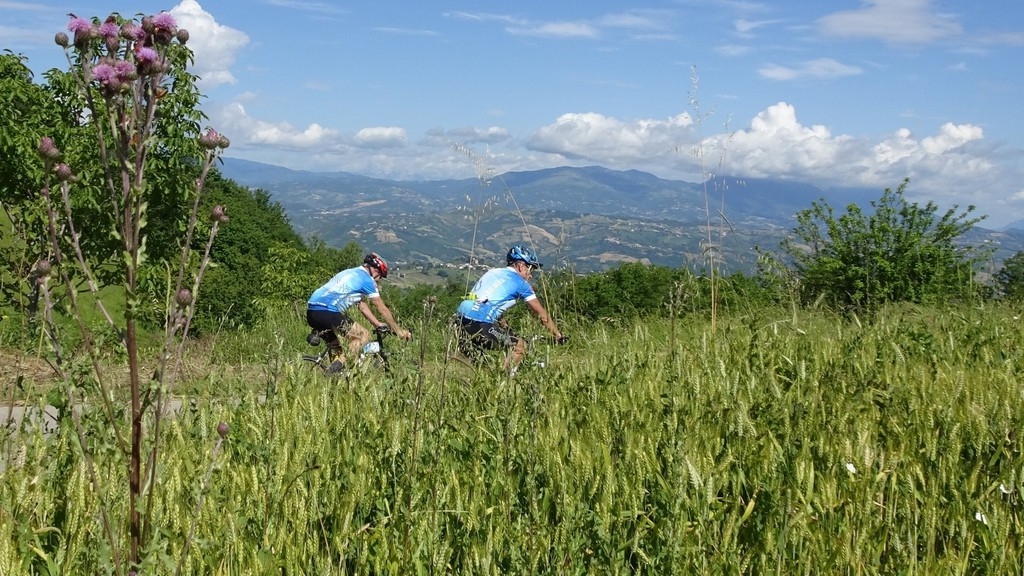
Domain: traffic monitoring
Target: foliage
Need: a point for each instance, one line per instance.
(634, 290)
(900, 252)
(27, 112)
(1010, 278)
(796, 441)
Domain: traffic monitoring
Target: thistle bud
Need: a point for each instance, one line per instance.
(218, 214)
(64, 173)
(222, 429)
(183, 298)
(210, 139)
(182, 36)
(42, 268)
(61, 39)
(223, 141)
(47, 149)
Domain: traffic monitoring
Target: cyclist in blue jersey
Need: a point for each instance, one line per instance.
(327, 309)
(498, 290)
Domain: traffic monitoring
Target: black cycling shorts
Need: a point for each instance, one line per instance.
(330, 324)
(487, 335)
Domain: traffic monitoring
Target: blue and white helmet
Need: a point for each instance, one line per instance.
(519, 253)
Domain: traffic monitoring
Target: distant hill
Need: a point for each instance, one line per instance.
(587, 218)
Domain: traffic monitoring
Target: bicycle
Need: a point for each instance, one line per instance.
(372, 348)
(474, 352)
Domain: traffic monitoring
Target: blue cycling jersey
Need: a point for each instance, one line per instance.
(346, 288)
(495, 292)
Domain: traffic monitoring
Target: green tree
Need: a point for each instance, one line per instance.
(899, 252)
(1010, 278)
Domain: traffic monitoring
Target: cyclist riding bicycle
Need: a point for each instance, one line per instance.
(327, 309)
(498, 290)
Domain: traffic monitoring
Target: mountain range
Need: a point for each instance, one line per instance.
(588, 219)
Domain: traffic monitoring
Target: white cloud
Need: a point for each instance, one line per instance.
(490, 135)
(381, 137)
(243, 130)
(892, 21)
(556, 30)
(819, 68)
(595, 137)
(214, 45)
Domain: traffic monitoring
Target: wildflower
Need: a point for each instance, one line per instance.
(1004, 489)
(183, 298)
(126, 71)
(164, 28)
(222, 429)
(47, 149)
(146, 55)
(851, 467)
(79, 25)
(104, 73)
(83, 31)
(164, 20)
(981, 518)
(109, 29)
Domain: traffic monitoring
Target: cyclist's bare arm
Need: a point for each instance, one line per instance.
(538, 309)
(364, 308)
(385, 313)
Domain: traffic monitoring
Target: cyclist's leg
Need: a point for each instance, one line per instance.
(329, 324)
(515, 346)
(357, 336)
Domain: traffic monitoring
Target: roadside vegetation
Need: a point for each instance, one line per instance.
(854, 407)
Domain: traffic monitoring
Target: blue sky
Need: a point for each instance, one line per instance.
(838, 93)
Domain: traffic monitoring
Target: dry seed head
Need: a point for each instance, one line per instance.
(218, 214)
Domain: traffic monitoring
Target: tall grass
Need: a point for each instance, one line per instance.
(783, 443)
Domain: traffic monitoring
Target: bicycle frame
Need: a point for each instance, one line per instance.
(322, 360)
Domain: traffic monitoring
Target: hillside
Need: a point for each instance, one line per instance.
(588, 218)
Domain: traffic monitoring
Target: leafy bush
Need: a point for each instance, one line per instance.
(900, 252)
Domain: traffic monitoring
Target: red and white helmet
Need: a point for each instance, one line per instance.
(373, 260)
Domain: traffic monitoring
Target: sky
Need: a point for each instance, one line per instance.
(861, 93)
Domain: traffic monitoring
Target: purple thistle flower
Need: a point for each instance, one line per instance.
(79, 25)
(104, 73)
(125, 71)
(110, 30)
(164, 20)
(146, 55)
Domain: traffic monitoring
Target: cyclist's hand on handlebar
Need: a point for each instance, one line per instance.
(404, 334)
